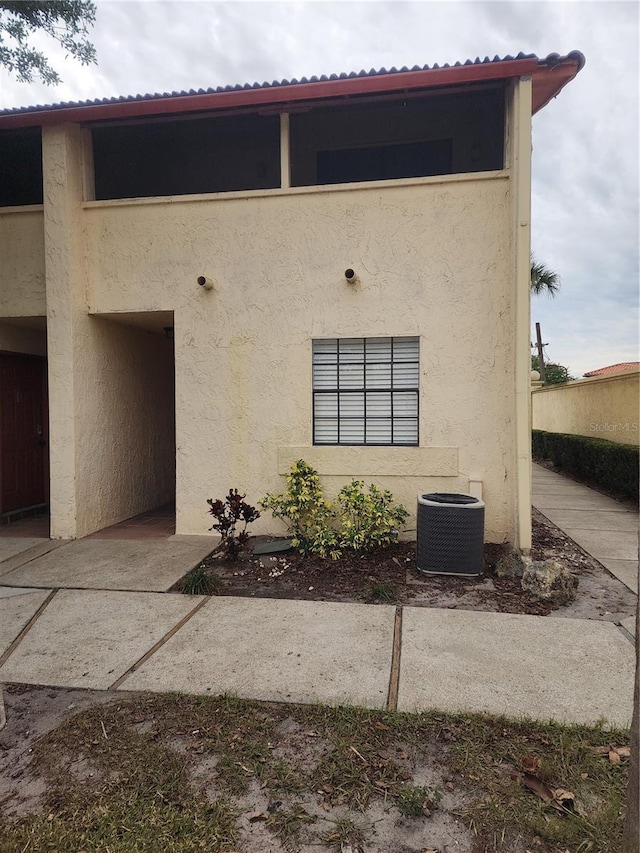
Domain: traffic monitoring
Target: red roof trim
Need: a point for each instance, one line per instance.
(549, 77)
(612, 369)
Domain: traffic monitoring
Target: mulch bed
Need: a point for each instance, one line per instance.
(387, 576)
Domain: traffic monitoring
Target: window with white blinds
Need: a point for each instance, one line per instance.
(365, 391)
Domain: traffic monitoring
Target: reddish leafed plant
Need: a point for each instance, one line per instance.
(229, 513)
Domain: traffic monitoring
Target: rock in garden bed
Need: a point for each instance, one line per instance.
(550, 580)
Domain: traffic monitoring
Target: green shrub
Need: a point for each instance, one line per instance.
(604, 463)
(358, 520)
(303, 508)
(368, 521)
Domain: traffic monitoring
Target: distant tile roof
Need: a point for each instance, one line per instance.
(615, 368)
(551, 74)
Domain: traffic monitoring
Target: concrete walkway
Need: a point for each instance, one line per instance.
(96, 614)
(143, 564)
(603, 527)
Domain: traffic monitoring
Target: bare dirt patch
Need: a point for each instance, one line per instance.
(177, 773)
(33, 712)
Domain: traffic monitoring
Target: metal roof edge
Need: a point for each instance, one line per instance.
(554, 69)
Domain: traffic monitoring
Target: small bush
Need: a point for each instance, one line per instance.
(608, 464)
(306, 513)
(358, 521)
(228, 513)
(368, 521)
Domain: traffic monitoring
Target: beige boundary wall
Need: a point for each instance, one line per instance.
(437, 258)
(599, 407)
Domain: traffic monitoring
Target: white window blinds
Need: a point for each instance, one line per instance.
(365, 391)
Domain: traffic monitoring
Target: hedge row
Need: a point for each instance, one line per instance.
(604, 463)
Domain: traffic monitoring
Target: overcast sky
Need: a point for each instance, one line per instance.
(585, 162)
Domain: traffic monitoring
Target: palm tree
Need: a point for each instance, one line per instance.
(543, 280)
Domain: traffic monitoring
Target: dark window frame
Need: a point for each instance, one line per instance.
(337, 391)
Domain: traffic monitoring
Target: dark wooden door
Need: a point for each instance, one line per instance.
(23, 432)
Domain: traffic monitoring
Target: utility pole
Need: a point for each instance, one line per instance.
(540, 354)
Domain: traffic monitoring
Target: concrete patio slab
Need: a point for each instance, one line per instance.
(145, 565)
(541, 474)
(17, 606)
(591, 501)
(629, 624)
(584, 519)
(613, 544)
(625, 570)
(89, 639)
(12, 545)
(284, 651)
(575, 671)
(44, 546)
(561, 486)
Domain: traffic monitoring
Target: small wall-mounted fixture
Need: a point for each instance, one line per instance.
(205, 283)
(351, 276)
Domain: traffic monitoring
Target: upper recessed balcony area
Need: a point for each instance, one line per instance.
(352, 141)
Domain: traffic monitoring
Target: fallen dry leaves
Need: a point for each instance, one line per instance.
(531, 763)
(557, 798)
(614, 753)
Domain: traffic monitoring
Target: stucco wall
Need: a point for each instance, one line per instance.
(110, 387)
(601, 407)
(22, 276)
(434, 259)
(125, 424)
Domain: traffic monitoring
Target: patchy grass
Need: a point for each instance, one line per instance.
(346, 833)
(383, 592)
(286, 824)
(200, 581)
(419, 800)
(145, 791)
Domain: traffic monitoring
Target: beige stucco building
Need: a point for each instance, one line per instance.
(367, 238)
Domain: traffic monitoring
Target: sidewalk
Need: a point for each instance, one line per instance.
(605, 528)
(376, 656)
(379, 656)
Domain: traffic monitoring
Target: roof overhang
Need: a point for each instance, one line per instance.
(549, 76)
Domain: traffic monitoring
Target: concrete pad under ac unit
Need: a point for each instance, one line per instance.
(284, 651)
